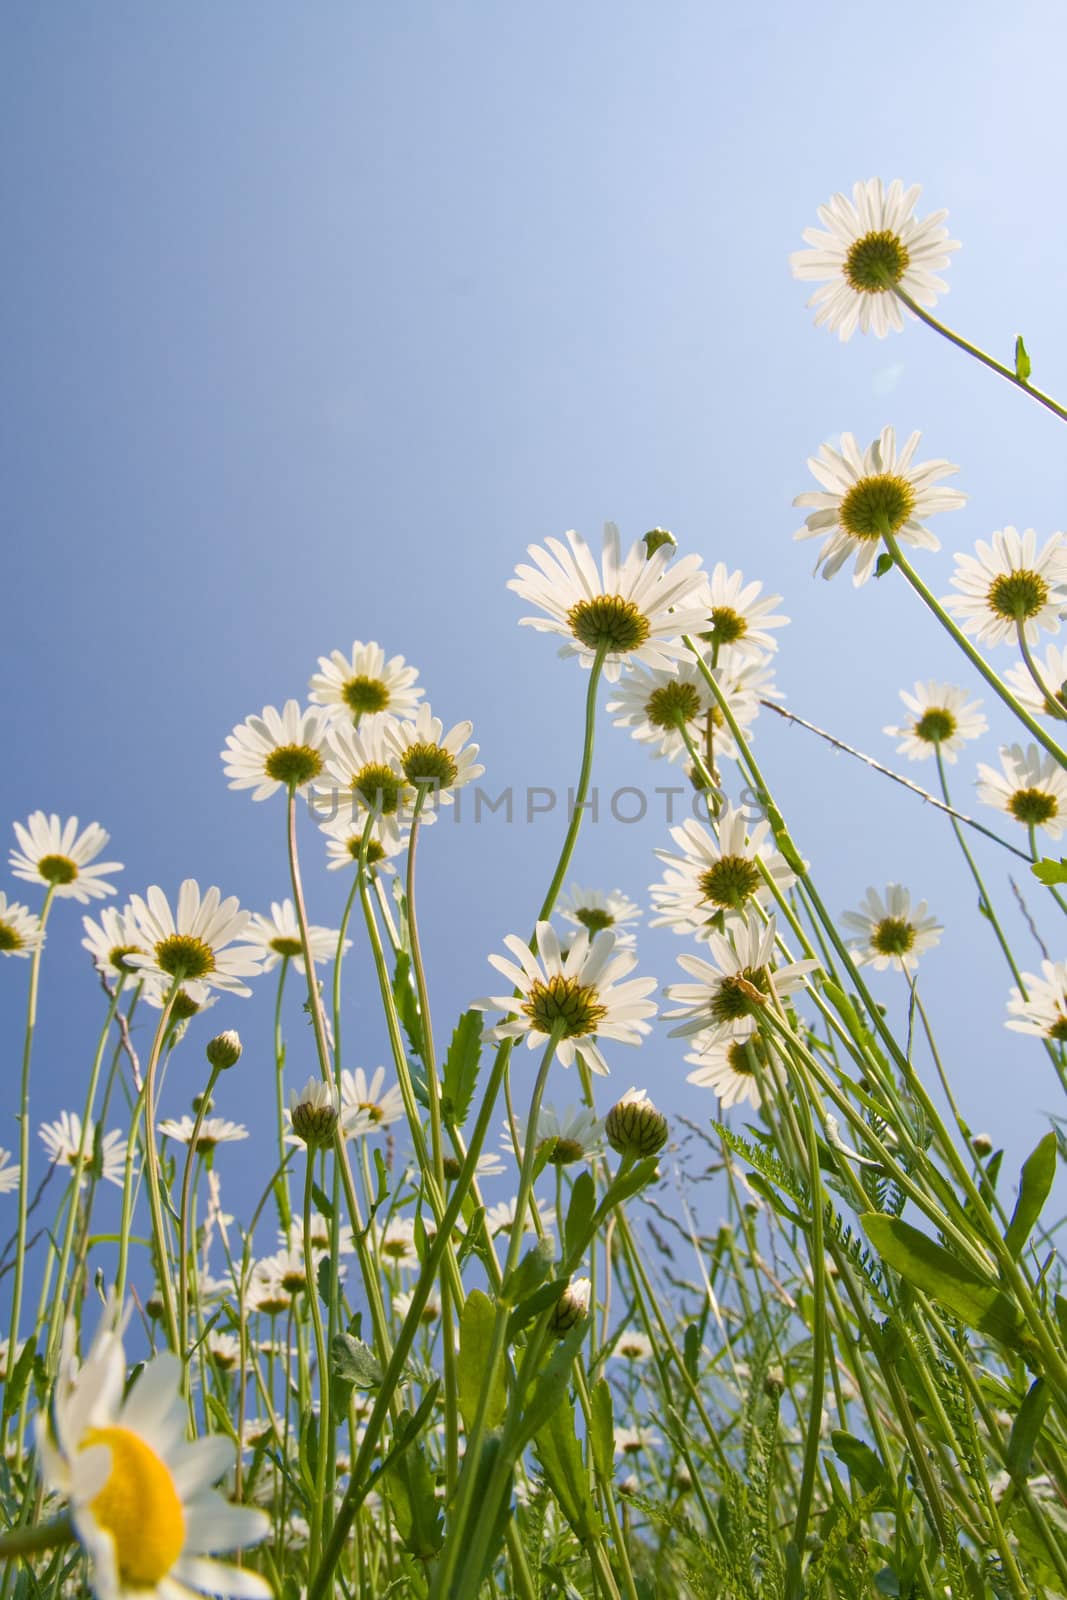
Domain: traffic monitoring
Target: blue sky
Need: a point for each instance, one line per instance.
(315, 316)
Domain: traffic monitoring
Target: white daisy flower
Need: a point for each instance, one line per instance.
(190, 1000)
(576, 1134)
(942, 720)
(284, 1273)
(723, 1001)
(139, 1490)
(867, 247)
(314, 1111)
(1044, 1011)
(633, 1345)
(191, 944)
(402, 1305)
(500, 1218)
(319, 1234)
(631, 1441)
(740, 621)
(266, 1291)
(594, 910)
(364, 684)
(110, 940)
(636, 607)
(1009, 582)
(56, 854)
(397, 1243)
(276, 750)
(364, 1108)
(890, 933)
(434, 763)
(581, 994)
(223, 1348)
(1052, 667)
(656, 703)
(20, 929)
(727, 1066)
(61, 1139)
(713, 878)
(278, 937)
(9, 1172)
(864, 496)
(344, 840)
(213, 1131)
(1031, 787)
(363, 766)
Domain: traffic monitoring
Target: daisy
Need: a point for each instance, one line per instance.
(500, 1218)
(213, 1131)
(633, 1345)
(20, 929)
(9, 1172)
(276, 750)
(740, 620)
(63, 1139)
(657, 703)
(111, 940)
(890, 933)
(224, 1349)
(1010, 582)
(397, 1243)
(942, 720)
(190, 1000)
(1044, 1011)
(364, 1108)
(866, 496)
(402, 1305)
(319, 1234)
(140, 1497)
(314, 1111)
(581, 995)
(576, 1135)
(192, 944)
(278, 937)
(1030, 787)
(873, 244)
(354, 688)
(434, 763)
(1052, 669)
(635, 608)
(716, 877)
(594, 910)
(266, 1291)
(56, 854)
(631, 1441)
(363, 765)
(344, 841)
(723, 1002)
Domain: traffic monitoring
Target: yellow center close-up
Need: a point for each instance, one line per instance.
(139, 1506)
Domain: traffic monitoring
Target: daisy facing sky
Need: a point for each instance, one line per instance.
(195, 942)
(1030, 787)
(278, 937)
(1010, 583)
(890, 932)
(20, 929)
(729, 990)
(863, 496)
(942, 720)
(276, 750)
(55, 854)
(716, 874)
(364, 684)
(867, 247)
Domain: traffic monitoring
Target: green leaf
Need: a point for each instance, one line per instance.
(1023, 367)
(354, 1362)
(579, 1226)
(602, 1428)
(1035, 1182)
(530, 1273)
(883, 565)
(565, 1472)
(977, 1300)
(419, 1521)
(861, 1461)
(407, 1003)
(322, 1278)
(323, 1203)
(20, 1377)
(550, 1388)
(627, 1184)
(461, 1068)
(1025, 1430)
(1049, 872)
(475, 1345)
(691, 1350)
(534, 1304)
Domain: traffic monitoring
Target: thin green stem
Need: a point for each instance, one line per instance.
(151, 1156)
(580, 793)
(325, 1439)
(183, 1215)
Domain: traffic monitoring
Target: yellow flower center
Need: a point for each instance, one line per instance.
(57, 869)
(876, 262)
(139, 1506)
(879, 504)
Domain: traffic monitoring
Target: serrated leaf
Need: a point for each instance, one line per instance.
(1023, 364)
(354, 1362)
(461, 1068)
(861, 1461)
(579, 1225)
(1035, 1182)
(419, 1520)
(602, 1428)
(560, 1455)
(551, 1386)
(475, 1347)
(1049, 872)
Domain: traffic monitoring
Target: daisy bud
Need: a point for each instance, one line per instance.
(634, 1127)
(224, 1050)
(982, 1144)
(656, 538)
(774, 1383)
(571, 1307)
(314, 1112)
(202, 1100)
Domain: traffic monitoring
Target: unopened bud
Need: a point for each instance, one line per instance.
(982, 1143)
(314, 1112)
(203, 1102)
(774, 1383)
(572, 1306)
(224, 1050)
(634, 1127)
(452, 1167)
(655, 539)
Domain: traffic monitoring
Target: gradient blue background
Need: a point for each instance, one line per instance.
(315, 315)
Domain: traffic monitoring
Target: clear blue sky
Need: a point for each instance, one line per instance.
(315, 316)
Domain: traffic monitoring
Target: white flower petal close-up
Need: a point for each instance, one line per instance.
(111, 939)
(1052, 670)
(366, 1105)
(1009, 583)
(731, 1068)
(941, 721)
(54, 853)
(598, 909)
(1030, 787)
(9, 1172)
(867, 247)
(889, 931)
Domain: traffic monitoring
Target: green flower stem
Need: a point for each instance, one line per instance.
(128, 1197)
(578, 809)
(349, 903)
(977, 661)
(325, 1445)
(151, 1156)
(45, 1536)
(284, 1203)
(242, 1280)
(358, 1480)
(314, 997)
(980, 355)
(1049, 696)
(59, 1298)
(24, 1140)
(183, 1214)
